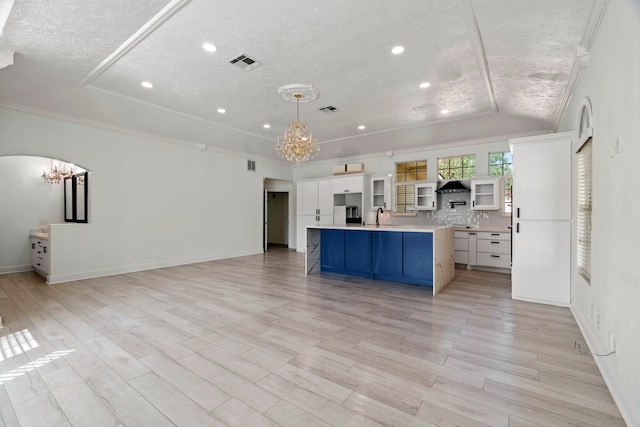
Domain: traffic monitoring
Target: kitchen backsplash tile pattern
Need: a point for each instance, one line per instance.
(451, 214)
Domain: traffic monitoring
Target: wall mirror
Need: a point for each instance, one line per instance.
(76, 196)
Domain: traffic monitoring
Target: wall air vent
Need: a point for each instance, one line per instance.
(328, 109)
(245, 62)
(251, 165)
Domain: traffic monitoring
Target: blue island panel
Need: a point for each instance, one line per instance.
(417, 258)
(357, 252)
(386, 255)
(332, 250)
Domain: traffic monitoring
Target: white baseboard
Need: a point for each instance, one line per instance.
(15, 269)
(61, 278)
(630, 412)
(539, 301)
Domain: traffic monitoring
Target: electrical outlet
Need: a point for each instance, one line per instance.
(614, 146)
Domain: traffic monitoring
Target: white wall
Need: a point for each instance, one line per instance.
(382, 164)
(612, 82)
(151, 203)
(25, 199)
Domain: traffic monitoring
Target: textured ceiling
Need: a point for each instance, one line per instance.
(501, 67)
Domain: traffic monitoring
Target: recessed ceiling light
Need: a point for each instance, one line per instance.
(209, 47)
(148, 85)
(221, 110)
(445, 111)
(266, 126)
(424, 85)
(397, 50)
(362, 127)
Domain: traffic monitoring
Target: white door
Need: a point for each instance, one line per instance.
(265, 237)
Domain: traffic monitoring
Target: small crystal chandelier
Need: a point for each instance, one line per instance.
(297, 143)
(56, 174)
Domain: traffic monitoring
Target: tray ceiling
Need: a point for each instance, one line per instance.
(501, 67)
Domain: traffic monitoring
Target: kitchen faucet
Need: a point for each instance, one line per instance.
(379, 211)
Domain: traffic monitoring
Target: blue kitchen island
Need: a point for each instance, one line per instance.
(419, 255)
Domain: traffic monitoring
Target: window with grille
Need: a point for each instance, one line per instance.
(584, 210)
(407, 174)
(501, 164)
(457, 167)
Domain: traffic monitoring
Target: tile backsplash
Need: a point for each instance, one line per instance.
(452, 214)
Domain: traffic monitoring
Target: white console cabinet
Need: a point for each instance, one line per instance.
(40, 255)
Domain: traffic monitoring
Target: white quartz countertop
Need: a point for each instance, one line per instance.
(485, 229)
(373, 227)
(40, 235)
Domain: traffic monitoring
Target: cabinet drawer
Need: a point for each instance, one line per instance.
(494, 260)
(461, 257)
(494, 236)
(461, 244)
(494, 246)
(461, 234)
(348, 184)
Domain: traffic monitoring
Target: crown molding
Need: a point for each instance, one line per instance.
(582, 57)
(127, 131)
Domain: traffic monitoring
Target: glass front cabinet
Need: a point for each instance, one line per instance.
(485, 194)
(425, 196)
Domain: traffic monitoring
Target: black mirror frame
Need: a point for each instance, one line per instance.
(75, 187)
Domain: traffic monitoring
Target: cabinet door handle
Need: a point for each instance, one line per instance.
(433, 204)
(473, 203)
(518, 213)
(346, 191)
(473, 234)
(495, 243)
(495, 256)
(33, 246)
(495, 234)
(517, 227)
(44, 250)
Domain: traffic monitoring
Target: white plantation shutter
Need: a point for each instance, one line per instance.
(584, 209)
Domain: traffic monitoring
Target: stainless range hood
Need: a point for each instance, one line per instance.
(453, 187)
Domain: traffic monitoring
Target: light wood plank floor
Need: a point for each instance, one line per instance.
(252, 341)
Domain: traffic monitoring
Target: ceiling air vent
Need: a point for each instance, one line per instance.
(328, 109)
(245, 62)
(251, 165)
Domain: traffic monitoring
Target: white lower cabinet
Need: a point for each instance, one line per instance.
(483, 249)
(541, 263)
(40, 255)
(494, 249)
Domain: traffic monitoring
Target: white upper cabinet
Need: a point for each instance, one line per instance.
(542, 177)
(348, 184)
(315, 197)
(425, 196)
(380, 192)
(485, 194)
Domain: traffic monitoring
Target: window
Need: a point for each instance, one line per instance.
(457, 167)
(584, 210)
(406, 175)
(501, 164)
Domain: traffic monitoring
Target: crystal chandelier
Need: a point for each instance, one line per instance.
(297, 143)
(56, 174)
